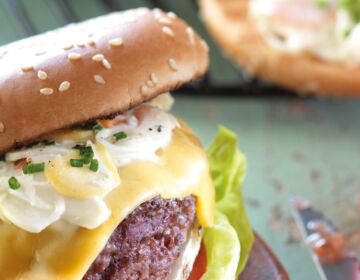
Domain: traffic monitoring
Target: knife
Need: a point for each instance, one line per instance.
(312, 224)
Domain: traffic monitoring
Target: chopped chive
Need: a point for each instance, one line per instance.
(86, 151)
(48, 143)
(86, 154)
(86, 160)
(120, 135)
(98, 127)
(76, 162)
(94, 165)
(14, 183)
(31, 168)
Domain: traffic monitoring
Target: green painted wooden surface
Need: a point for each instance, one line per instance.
(294, 147)
(85, 9)
(302, 147)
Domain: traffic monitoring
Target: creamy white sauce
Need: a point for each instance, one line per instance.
(148, 129)
(301, 26)
(37, 204)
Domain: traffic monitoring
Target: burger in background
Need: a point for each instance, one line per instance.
(308, 46)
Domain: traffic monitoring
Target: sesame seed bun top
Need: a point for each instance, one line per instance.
(93, 69)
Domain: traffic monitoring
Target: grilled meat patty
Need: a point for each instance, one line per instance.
(147, 243)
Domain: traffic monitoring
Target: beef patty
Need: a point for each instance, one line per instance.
(146, 244)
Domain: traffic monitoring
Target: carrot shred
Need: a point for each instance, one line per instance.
(109, 123)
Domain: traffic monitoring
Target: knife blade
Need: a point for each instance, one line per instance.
(307, 217)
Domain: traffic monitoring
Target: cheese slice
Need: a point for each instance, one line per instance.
(65, 252)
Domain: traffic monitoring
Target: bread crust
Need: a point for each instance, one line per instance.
(93, 69)
(237, 34)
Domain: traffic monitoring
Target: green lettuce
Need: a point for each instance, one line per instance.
(229, 241)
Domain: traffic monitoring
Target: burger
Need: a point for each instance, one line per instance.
(97, 179)
(307, 46)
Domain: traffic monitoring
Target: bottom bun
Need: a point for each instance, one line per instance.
(300, 72)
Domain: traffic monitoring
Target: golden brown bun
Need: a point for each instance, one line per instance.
(149, 53)
(228, 21)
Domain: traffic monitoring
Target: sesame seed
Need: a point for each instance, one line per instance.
(3, 54)
(2, 127)
(171, 15)
(40, 53)
(42, 75)
(46, 91)
(64, 86)
(191, 35)
(130, 19)
(157, 13)
(168, 31)
(164, 20)
(98, 57)
(173, 64)
(27, 68)
(145, 91)
(142, 11)
(106, 64)
(99, 79)
(154, 78)
(116, 42)
(205, 45)
(74, 56)
(68, 47)
(150, 83)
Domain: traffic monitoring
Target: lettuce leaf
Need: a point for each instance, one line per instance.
(222, 249)
(229, 241)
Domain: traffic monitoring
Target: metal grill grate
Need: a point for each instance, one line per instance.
(22, 18)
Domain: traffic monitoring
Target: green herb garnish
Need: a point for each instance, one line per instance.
(86, 154)
(86, 157)
(98, 127)
(120, 135)
(94, 165)
(76, 162)
(14, 183)
(86, 151)
(31, 168)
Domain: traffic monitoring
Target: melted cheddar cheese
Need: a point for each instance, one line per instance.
(65, 252)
